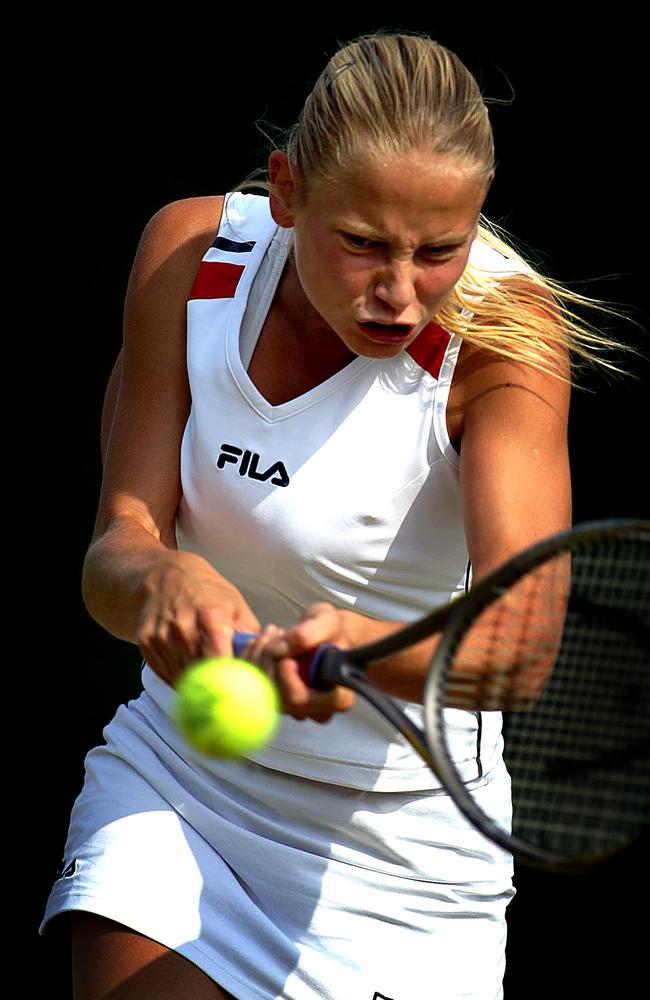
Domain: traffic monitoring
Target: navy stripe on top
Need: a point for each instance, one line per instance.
(223, 244)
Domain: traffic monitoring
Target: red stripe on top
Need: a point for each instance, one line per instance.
(429, 347)
(215, 280)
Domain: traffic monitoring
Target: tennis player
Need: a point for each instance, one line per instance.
(337, 403)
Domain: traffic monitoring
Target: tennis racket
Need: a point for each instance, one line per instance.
(558, 640)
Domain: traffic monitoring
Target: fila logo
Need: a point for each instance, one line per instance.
(248, 463)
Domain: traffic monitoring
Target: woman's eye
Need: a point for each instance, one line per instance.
(438, 251)
(358, 242)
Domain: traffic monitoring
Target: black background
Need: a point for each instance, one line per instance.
(150, 114)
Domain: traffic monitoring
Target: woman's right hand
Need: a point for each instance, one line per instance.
(189, 613)
(277, 652)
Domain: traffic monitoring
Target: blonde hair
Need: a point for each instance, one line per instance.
(393, 93)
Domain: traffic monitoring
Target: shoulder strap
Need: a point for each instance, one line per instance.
(245, 222)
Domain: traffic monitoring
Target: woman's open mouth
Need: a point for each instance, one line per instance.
(386, 333)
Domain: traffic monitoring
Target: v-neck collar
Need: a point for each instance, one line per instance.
(246, 386)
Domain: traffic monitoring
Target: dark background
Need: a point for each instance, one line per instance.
(148, 115)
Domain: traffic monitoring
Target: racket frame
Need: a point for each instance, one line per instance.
(463, 612)
(329, 665)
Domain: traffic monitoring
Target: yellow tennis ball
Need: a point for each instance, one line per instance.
(226, 707)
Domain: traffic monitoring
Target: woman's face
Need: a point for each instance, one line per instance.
(378, 251)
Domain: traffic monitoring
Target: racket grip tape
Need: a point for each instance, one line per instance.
(309, 663)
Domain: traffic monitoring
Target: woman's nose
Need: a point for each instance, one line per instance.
(396, 285)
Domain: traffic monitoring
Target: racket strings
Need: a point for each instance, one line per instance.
(503, 660)
(568, 648)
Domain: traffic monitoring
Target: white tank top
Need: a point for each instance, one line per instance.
(348, 493)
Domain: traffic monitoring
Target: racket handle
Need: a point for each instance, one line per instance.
(308, 664)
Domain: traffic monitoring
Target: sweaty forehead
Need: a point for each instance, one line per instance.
(419, 198)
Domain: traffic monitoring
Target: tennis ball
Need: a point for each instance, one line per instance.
(226, 707)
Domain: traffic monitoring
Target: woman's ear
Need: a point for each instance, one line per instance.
(282, 196)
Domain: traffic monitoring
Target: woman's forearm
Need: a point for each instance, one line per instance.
(116, 569)
(122, 570)
(402, 674)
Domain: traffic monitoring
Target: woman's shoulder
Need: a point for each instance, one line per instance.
(183, 227)
(173, 243)
(179, 221)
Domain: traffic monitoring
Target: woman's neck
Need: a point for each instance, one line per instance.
(296, 349)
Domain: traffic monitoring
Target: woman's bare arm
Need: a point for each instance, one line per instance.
(136, 584)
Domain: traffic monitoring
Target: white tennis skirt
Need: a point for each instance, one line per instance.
(277, 886)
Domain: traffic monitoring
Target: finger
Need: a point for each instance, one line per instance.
(158, 655)
(161, 647)
(259, 650)
(343, 699)
(294, 693)
(245, 621)
(322, 707)
(301, 701)
(214, 632)
(321, 624)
